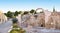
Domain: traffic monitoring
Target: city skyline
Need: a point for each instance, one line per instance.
(18, 5)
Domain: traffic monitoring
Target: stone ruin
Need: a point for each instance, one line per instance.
(50, 20)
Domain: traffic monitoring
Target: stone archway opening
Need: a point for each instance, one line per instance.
(39, 10)
(42, 25)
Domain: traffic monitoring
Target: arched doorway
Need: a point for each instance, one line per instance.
(42, 25)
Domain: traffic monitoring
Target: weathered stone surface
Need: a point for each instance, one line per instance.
(46, 19)
(54, 20)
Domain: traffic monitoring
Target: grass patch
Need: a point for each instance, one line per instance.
(16, 30)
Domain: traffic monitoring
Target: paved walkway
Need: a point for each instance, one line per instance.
(39, 30)
(4, 27)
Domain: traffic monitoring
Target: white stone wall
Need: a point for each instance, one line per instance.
(3, 18)
(47, 14)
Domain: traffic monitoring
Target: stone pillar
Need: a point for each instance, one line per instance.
(19, 19)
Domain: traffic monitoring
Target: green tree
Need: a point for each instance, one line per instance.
(26, 12)
(19, 12)
(16, 13)
(9, 14)
(32, 11)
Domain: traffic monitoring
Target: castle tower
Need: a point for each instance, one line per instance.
(54, 9)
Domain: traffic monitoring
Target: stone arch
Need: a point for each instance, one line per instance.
(39, 9)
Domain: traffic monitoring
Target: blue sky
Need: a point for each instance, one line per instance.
(13, 5)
